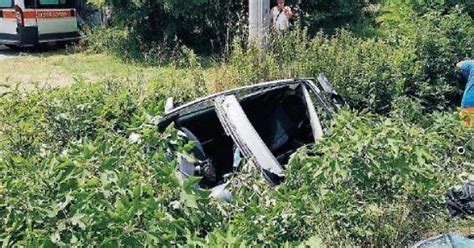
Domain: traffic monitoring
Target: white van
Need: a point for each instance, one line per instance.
(31, 22)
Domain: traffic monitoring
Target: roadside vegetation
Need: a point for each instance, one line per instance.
(71, 176)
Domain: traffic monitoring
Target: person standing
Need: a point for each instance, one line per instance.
(467, 104)
(280, 17)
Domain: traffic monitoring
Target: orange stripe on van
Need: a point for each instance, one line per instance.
(41, 14)
(9, 14)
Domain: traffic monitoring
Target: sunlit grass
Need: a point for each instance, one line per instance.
(61, 68)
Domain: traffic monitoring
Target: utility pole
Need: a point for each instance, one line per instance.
(259, 22)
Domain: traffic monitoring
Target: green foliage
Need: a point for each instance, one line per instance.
(414, 56)
(375, 176)
(72, 176)
(422, 6)
(439, 42)
(371, 182)
(74, 173)
(206, 26)
(116, 41)
(327, 15)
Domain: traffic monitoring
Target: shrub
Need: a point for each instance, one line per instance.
(72, 176)
(372, 181)
(435, 43)
(72, 173)
(414, 57)
(209, 26)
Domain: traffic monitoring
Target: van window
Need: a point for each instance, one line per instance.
(49, 2)
(55, 4)
(6, 3)
(30, 4)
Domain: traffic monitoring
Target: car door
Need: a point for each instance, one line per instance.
(56, 20)
(8, 22)
(313, 115)
(238, 126)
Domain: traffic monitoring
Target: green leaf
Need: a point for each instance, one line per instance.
(77, 220)
(189, 199)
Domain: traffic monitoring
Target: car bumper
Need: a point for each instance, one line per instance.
(29, 36)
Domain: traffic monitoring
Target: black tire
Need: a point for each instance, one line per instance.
(41, 47)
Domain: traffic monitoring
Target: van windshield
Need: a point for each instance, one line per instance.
(6, 4)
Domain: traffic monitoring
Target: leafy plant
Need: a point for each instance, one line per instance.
(85, 165)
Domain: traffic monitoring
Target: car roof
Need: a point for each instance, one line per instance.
(205, 103)
(249, 88)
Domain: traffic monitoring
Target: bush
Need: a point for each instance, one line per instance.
(208, 27)
(437, 43)
(374, 182)
(73, 175)
(130, 47)
(414, 57)
(328, 15)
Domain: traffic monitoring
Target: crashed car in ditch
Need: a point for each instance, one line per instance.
(263, 123)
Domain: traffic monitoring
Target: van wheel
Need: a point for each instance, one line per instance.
(40, 47)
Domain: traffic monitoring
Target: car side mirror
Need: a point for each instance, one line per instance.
(169, 105)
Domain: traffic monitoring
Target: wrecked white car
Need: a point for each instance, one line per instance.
(262, 124)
